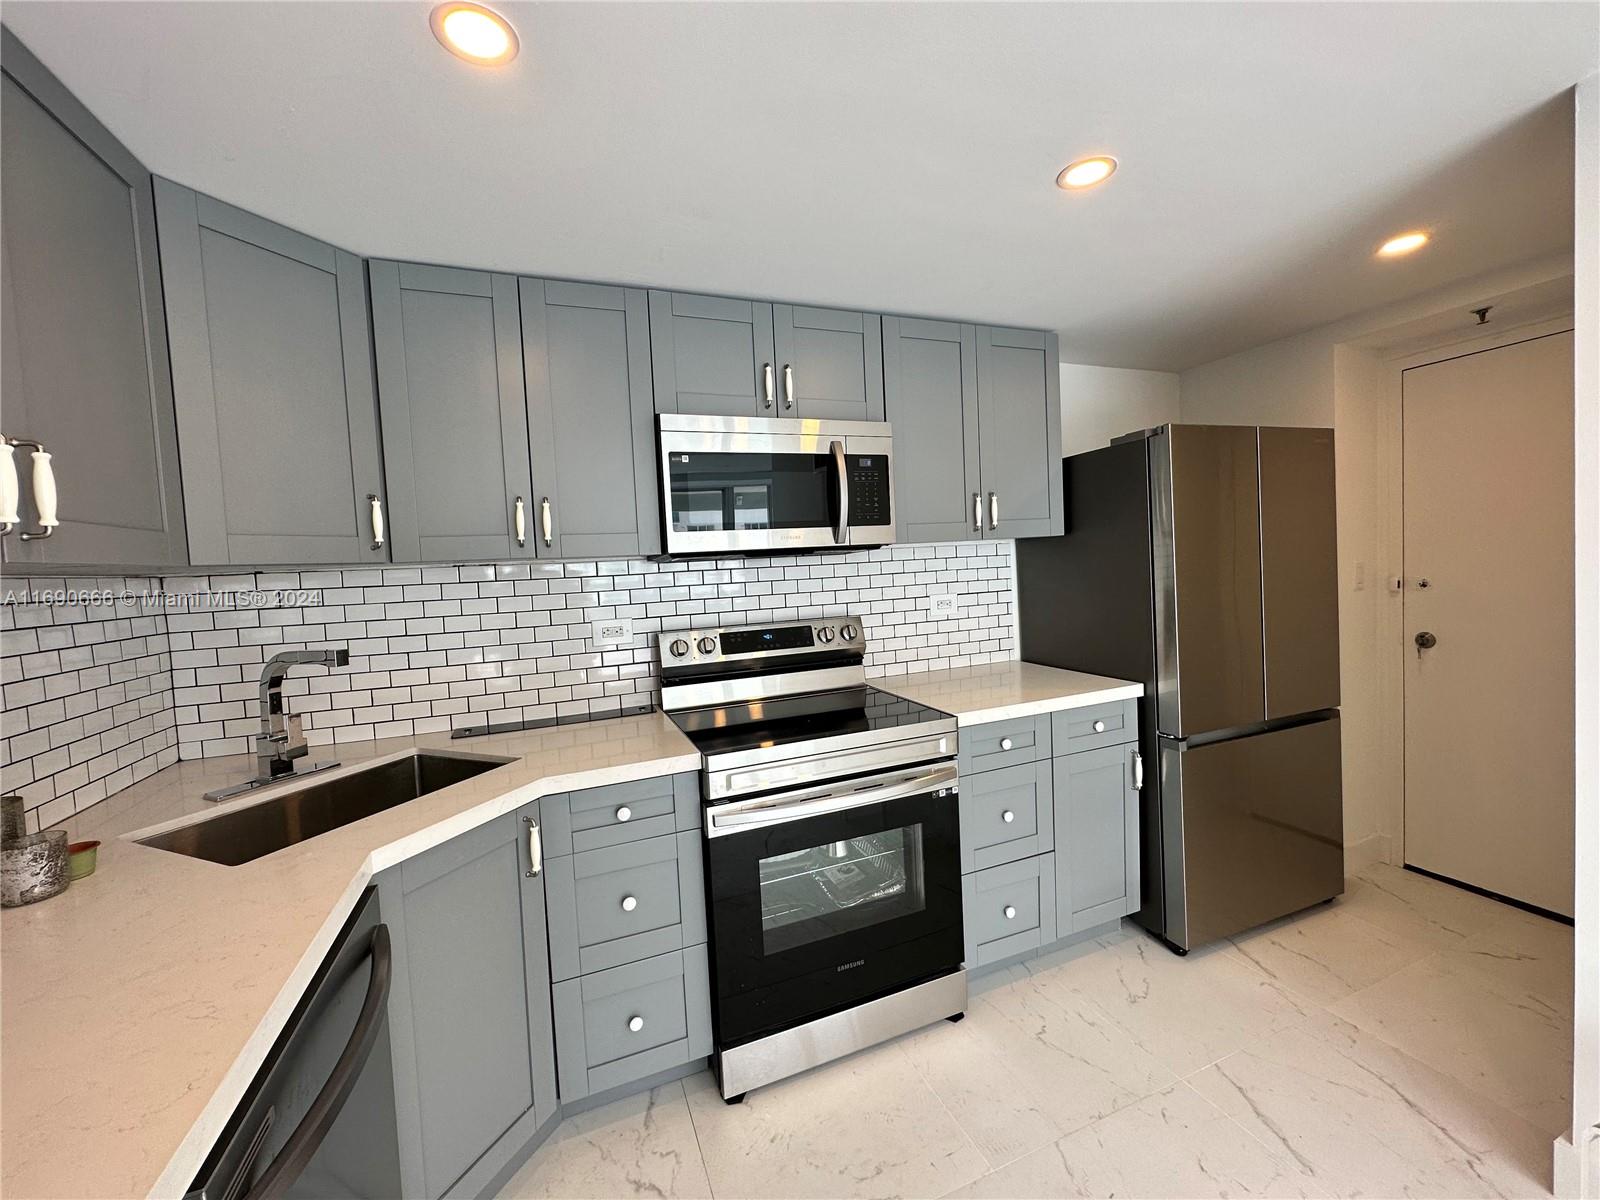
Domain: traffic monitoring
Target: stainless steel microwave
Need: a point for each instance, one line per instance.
(748, 484)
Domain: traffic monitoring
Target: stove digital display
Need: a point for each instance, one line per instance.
(784, 637)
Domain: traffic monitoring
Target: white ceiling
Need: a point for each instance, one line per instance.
(890, 156)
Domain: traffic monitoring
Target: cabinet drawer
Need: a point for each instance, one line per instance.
(1006, 815)
(1004, 743)
(1098, 725)
(1009, 909)
(621, 812)
(623, 903)
(630, 1022)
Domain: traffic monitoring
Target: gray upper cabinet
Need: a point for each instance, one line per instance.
(455, 428)
(84, 344)
(712, 355)
(830, 363)
(1019, 432)
(272, 372)
(586, 355)
(470, 1020)
(930, 384)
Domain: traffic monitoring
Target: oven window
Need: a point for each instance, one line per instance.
(717, 492)
(838, 887)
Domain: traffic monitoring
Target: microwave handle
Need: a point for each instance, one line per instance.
(771, 810)
(841, 531)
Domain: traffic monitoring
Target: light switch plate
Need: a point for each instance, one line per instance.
(612, 633)
(942, 606)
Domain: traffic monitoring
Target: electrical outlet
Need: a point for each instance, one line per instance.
(940, 607)
(612, 633)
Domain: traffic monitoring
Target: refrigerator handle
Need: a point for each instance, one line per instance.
(1138, 771)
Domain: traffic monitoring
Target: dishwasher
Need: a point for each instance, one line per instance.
(318, 1120)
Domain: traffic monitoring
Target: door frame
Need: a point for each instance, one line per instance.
(1445, 351)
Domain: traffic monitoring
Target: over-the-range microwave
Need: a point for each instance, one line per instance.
(737, 485)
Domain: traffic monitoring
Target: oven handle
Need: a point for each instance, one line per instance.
(818, 801)
(841, 532)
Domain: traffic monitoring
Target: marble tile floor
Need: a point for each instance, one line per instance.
(1410, 1039)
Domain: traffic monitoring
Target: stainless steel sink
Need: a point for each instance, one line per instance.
(239, 835)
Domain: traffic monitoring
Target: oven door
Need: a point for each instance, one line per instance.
(736, 484)
(825, 897)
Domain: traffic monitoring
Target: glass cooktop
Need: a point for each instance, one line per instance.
(788, 719)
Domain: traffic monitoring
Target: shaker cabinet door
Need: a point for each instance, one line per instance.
(712, 355)
(455, 426)
(930, 388)
(586, 350)
(84, 345)
(1097, 837)
(272, 371)
(1019, 432)
(830, 363)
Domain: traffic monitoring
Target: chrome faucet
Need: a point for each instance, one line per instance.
(281, 742)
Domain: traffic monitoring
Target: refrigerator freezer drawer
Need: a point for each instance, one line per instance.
(1254, 829)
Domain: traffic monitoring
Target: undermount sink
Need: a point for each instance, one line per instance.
(253, 830)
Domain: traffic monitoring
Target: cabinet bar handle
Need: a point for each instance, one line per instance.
(994, 510)
(544, 519)
(535, 848)
(788, 386)
(977, 513)
(1138, 771)
(767, 387)
(522, 523)
(44, 492)
(10, 489)
(375, 508)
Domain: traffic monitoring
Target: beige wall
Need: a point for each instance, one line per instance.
(1346, 375)
(1101, 403)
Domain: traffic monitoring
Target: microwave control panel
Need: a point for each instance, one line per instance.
(869, 489)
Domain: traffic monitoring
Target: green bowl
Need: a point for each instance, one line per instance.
(80, 859)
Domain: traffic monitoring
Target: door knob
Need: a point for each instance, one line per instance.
(1425, 641)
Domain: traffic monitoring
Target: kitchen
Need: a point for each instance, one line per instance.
(720, 741)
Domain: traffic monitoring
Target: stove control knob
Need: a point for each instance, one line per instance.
(708, 645)
(848, 632)
(678, 648)
(825, 634)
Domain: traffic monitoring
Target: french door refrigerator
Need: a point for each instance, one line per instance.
(1201, 559)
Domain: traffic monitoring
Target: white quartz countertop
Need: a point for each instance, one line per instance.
(139, 1003)
(1000, 691)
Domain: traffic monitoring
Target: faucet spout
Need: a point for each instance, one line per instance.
(281, 741)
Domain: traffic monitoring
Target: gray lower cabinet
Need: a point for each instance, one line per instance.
(1007, 814)
(930, 391)
(83, 354)
(830, 363)
(448, 346)
(470, 1011)
(1009, 910)
(1019, 432)
(272, 374)
(586, 350)
(1097, 836)
(712, 355)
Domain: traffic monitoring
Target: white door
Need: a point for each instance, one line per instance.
(1488, 573)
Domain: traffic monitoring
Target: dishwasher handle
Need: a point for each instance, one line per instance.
(307, 1138)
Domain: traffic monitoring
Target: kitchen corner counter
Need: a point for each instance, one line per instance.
(1000, 691)
(139, 1004)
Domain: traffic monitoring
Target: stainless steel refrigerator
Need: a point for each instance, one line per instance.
(1201, 559)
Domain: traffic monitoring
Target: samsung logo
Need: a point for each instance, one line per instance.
(849, 966)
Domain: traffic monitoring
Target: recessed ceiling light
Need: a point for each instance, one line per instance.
(1403, 243)
(1086, 172)
(478, 34)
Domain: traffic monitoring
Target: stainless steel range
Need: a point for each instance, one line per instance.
(832, 845)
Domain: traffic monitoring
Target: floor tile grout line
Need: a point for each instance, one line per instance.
(699, 1146)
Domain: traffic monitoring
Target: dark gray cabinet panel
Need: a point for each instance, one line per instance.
(272, 372)
(84, 355)
(1074, 729)
(1006, 814)
(930, 388)
(586, 350)
(470, 1018)
(712, 355)
(1019, 432)
(1004, 743)
(1097, 837)
(449, 360)
(830, 363)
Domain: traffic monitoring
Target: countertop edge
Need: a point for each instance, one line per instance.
(1036, 708)
(191, 1152)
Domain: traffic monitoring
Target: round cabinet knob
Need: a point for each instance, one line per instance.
(1010, 911)
(1005, 743)
(678, 648)
(848, 632)
(629, 903)
(635, 1024)
(1099, 726)
(707, 645)
(1008, 816)
(624, 813)
(825, 634)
